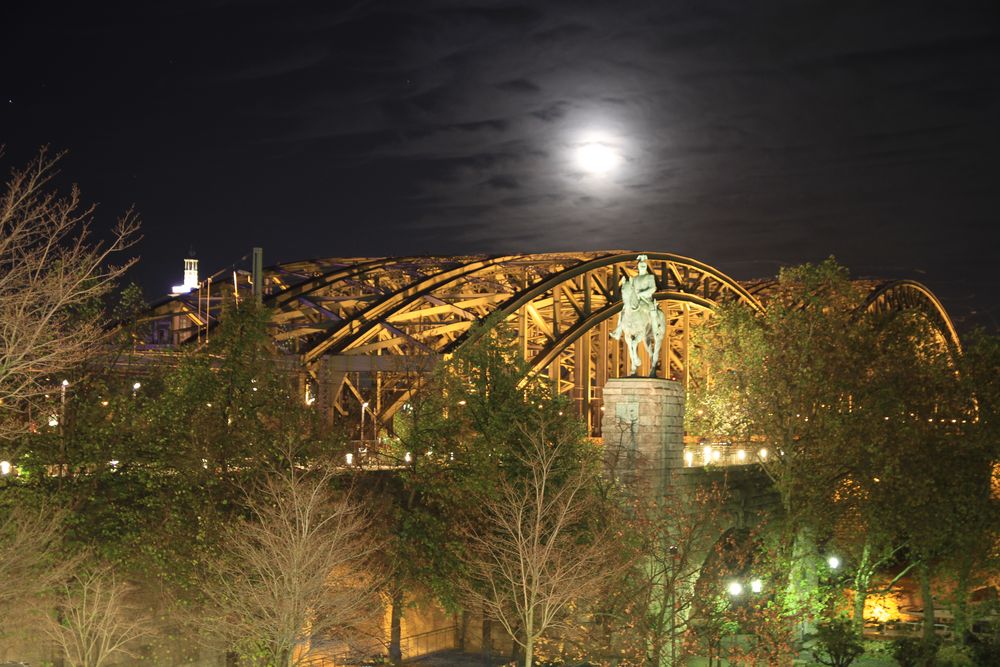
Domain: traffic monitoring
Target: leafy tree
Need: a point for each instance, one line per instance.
(153, 462)
(462, 427)
(783, 383)
(665, 542)
(851, 412)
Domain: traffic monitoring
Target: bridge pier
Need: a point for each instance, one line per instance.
(643, 430)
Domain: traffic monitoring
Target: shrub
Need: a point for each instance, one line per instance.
(837, 645)
(911, 652)
(955, 655)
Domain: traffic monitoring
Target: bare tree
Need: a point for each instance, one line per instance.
(95, 620)
(51, 269)
(30, 562)
(297, 569)
(531, 561)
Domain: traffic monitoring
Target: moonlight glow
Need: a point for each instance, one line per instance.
(597, 157)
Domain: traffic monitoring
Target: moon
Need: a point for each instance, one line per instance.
(597, 157)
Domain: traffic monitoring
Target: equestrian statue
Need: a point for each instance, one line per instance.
(641, 319)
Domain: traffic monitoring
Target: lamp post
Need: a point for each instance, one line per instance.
(364, 406)
(63, 465)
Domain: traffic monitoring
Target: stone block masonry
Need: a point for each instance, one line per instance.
(643, 429)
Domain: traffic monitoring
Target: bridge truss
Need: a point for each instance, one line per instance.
(363, 330)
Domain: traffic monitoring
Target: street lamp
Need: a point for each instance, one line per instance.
(364, 406)
(735, 588)
(756, 585)
(62, 400)
(833, 562)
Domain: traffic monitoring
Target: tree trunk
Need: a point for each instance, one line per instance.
(804, 580)
(961, 606)
(517, 648)
(462, 625)
(395, 626)
(928, 597)
(487, 639)
(862, 576)
(529, 649)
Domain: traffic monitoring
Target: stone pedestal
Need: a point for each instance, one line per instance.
(643, 429)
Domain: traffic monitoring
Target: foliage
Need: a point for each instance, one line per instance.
(466, 422)
(296, 569)
(152, 473)
(533, 559)
(985, 649)
(51, 273)
(663, 543)
(31, 559)
(956, 655)
(910, 652)
(837, 643)
(855, 409)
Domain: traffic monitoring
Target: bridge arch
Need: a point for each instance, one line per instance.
(363, 328)
(909, 294)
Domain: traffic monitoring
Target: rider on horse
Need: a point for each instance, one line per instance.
(644, 285)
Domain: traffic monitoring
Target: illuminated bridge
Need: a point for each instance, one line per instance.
(361, 330)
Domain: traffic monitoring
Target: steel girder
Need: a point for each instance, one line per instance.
(365, 329)
(909, 294)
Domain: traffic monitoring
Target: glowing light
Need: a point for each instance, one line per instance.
(735, 588)
(113, 463)
(407, 457)
(104, 403)
(462, 402)
(597, 157)
(716, 455)
(136, 386)
(689, 458)
(763, 453)
(833, 562)
(5, 467)
(349, 457)
(53, 420)
(881, 608)
(741, 454)
(190, 277)
(756, 585)
(706, 454)
(65, 383)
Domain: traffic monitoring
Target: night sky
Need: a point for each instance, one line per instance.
(751, 134)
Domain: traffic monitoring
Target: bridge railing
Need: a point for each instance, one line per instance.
(724, 454)
(412, 646)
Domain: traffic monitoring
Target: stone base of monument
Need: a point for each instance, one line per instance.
(643, 430)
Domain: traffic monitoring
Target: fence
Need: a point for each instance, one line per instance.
(412, 647)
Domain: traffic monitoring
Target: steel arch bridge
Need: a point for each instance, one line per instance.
(362, 330)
